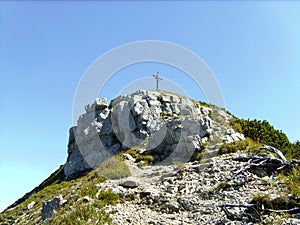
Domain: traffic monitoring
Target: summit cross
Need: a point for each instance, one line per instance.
(157, 78)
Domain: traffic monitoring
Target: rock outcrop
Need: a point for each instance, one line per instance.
(170, 126)
(50, 206)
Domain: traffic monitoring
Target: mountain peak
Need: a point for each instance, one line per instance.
(166, 125)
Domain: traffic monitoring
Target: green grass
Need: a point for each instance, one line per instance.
(78, 188)
(170, 93)
(81, 215)
(168, 116)
(165, 115)
(196, 104)
(54, 178)
(134, 151)
(279, 203)
(214, 115)
(107, 197)
(146, 158)
(200, 156)
(292, 180)
(113, 169)
(52, 186)
(222, 185)
(45, 194)
(178, 164)
(141, 159)
(86, 213)
(89, 189)
(130, 197)
(246, 145)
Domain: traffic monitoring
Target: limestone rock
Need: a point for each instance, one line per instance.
(168, 126)
(86, 199)
(130, 183)
(30, 205)
(128, 157)
(99, 104)
(194, 194)
(50, 206)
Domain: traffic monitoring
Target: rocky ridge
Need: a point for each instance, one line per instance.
(171, 127)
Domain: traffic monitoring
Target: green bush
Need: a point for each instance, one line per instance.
(292, 151)
(264, 133)
(293, 181)
(204, 104)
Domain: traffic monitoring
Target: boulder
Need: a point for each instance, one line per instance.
(30, 205)
(131, 183)
(50, 206)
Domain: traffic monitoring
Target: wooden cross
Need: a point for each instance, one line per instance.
(157, 78)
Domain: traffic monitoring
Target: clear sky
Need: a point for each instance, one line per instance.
(252, 47)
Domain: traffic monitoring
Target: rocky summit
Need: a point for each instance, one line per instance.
(154, 157)
(172, 126)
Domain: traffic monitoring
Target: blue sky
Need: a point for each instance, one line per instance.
(253, 48)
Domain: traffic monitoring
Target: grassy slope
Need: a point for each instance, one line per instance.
(73, 191)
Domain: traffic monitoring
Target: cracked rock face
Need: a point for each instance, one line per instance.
(170, 126)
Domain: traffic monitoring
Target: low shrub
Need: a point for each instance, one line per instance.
(264, 133)
(260, 131)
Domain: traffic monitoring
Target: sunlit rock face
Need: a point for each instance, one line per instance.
(170, 126)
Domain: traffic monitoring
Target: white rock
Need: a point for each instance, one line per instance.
(30, 205)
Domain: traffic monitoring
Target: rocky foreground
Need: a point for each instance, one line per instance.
(213, 191)
(194, 193)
